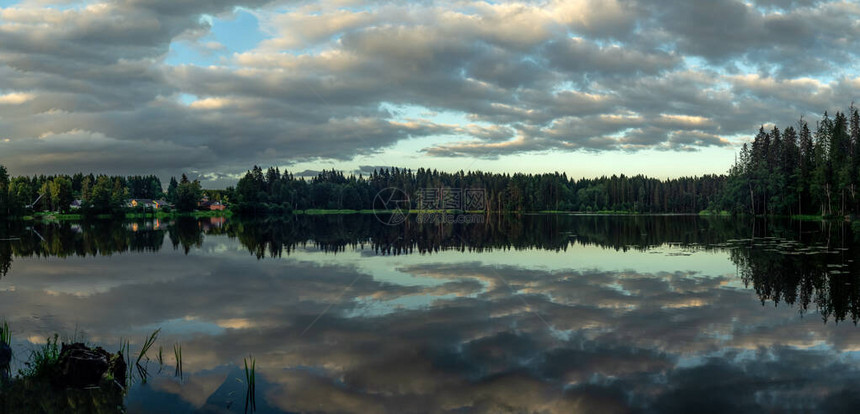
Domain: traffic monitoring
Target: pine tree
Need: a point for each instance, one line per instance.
(5, 206)
(171, 190)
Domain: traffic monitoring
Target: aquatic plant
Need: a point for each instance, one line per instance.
(177, 354)
(5, 335)
(147, 344)
(44, 360)
(251, 384)
(73, 377)
(5, 351)
(124, 352)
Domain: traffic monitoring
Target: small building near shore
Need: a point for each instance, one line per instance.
(148, 203)
(140, 202)
(212, 205)
(159, 204)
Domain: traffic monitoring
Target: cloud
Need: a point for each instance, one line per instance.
(369, 169)
(779, 42)
(308, 173)
(339, 338)
(580, 57)
(528, 77)
(611, 18)
(15, 98)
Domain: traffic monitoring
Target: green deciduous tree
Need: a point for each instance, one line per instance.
(60, 189)
(188, 194)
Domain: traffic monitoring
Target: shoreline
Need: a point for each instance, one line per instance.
(56, 217)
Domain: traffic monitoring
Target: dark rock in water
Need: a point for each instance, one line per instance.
(5, 359)
(81, 366)
(5, 355)
(80, 380)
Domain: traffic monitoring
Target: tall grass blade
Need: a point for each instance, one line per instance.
(147, 344)
(177, 354)
(5, 334)
(141, 370)
(160, 358)
(251, 384)
(5, 351)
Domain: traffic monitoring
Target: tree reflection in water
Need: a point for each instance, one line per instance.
(612, 333)
(798, 263)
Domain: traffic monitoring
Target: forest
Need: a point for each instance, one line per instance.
(797, 171)
(102, 194)
(275, 191)
(790, 171)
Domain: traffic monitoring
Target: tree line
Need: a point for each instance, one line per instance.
(799, 171)
(98, 194)
(787, 171)
(269, 191)
(273, 192)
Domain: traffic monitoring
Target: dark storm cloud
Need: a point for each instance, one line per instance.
(88, 87)
(307, 173)
(787, 4)
(730, 31)
(369, 169)
(580, 58)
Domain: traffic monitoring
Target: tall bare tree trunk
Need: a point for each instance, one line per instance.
(752, 200)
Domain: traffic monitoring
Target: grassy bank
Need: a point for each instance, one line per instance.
(76, 377)
(172, 214)
(320, 211)
(714, 213)
(66, 377)
(43, 216)
(811, 217)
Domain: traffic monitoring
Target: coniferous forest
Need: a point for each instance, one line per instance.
(796, 170)
(504, 192)
(799, 171)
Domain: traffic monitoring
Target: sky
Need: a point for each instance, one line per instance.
(586, 87)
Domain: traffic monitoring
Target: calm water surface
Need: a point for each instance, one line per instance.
(524, 314)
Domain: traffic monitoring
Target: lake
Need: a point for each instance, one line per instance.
(533, 313)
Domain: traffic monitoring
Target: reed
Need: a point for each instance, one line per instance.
(147, 344)
(251, 383)
(5, 334)
(124, 352)
(177, 354)
(160, 357)
(43, 360)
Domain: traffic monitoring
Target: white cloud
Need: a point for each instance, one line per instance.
(16, 98)
(564, 75)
